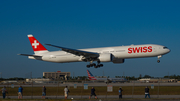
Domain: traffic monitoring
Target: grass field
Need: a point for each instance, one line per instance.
(127, 90)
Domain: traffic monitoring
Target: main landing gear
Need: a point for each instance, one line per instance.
(94, 65)
(159, 58)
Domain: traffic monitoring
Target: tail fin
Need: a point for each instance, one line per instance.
(36, 45)
(90, 76)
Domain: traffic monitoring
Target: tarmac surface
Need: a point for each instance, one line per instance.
(93, 84)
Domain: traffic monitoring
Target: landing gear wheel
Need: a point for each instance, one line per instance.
(101, 65)
(98, 65)
(159, 58)
(158, 61)
(94, 64)
(91, 65)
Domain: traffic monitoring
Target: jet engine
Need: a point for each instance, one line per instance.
(105, 57)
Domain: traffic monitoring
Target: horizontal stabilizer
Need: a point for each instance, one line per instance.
(30, 55)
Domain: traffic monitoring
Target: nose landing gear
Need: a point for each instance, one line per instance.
(159, 58)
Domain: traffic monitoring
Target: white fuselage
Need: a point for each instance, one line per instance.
(119, 52)
(110, 79)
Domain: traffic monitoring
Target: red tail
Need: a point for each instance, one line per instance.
(90, 76)
(36, 45)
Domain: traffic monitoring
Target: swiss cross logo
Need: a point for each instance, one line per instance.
(35, 44)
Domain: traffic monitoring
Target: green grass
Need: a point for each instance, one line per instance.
(127, 90)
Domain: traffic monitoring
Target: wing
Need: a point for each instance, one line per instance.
(86, 54)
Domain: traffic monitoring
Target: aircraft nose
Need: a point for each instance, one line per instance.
(168, 50)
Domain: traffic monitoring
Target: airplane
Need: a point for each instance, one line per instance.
(92, 78)
(116, 54)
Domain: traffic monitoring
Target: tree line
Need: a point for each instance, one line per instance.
(86, 77)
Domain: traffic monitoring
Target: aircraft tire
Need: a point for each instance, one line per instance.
(94, 64)
(88, 66)
(158, 61)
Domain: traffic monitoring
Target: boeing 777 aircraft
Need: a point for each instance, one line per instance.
(106, 54)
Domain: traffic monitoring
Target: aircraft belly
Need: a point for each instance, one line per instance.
(61, 59)
(67, 59)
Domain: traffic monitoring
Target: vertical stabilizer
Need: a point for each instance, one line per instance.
(90, 76)
(36, 45)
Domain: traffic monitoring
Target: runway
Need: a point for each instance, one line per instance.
(93, 84)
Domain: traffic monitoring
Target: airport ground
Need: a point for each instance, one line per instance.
(100, 98)
(167, 91)
(71, 84)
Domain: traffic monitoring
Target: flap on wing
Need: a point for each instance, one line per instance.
(30, 55)
(77, 52)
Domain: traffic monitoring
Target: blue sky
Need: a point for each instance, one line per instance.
(88, 24)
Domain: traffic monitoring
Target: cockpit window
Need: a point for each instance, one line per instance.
(165, 48)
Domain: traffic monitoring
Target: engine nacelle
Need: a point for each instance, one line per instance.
(105, 57)
(118, 60)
